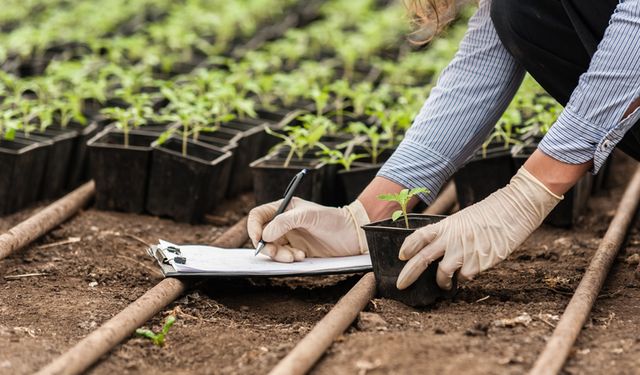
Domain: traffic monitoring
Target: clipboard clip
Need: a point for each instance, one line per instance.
(160, 255)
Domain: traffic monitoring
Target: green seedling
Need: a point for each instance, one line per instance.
(125, 119)
(299, 139)
(373, 145)
(345, 159)
(403, 198)
(158, 339)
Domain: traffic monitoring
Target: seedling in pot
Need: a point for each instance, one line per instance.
(157, 339)
(125, 119)
(9, 125)
(193, 113)
(403, 198)
(299, 139)
(373, 145)
(342, 91)
(345, 159)
(320, 97)
(505, 130)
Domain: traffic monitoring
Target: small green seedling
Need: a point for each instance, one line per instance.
(345, 159)
(403, 198)
(157, 338)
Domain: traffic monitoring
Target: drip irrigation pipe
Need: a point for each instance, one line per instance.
(98, 343)
(45, 220)
(575, 315)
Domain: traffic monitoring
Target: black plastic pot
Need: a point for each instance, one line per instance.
(483, 175)
(226, 135)
(356, 179)
(270, 178)
(78, 169)
(54, 181)
(22, 164)
(121, 173)
(385, 239)
(186, 187)
(157, 128)
(249, 149)
(274, 115)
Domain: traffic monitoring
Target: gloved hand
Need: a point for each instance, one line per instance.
(308, 229)
(479, 236)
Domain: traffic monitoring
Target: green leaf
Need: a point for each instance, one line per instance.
(403, 196)
(146, 333)
(396, 215)
(164, 136)
(168, 323)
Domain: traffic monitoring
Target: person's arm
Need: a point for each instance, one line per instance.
(603, 106)
(471, 94)
(601, 110)
(462, 109)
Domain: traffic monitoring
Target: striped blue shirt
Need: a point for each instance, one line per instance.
(477, 86)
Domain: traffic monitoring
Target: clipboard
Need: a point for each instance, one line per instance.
(209, 261)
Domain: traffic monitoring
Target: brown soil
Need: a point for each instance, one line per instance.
(246, 326)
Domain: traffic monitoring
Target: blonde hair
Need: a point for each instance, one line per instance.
(430, 17)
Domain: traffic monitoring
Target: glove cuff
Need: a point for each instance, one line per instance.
(528, 176)
(359, 217)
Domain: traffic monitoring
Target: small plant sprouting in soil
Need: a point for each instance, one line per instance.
(157, 338)
(403, 198)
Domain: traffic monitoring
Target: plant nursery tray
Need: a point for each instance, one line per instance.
(209, 261)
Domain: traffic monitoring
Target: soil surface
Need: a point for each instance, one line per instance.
(94, 265)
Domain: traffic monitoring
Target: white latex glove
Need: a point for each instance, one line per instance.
(479, 236)
(308, 229)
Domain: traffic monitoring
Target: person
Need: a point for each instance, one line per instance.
(585, 53)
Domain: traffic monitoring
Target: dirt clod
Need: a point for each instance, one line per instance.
(371, 321)
(633, 259)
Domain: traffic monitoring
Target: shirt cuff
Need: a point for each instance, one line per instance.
(573, 140)
(412, 165)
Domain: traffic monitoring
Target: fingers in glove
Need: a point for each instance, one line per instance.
(447, 267)
(284, 253)
(258, 218)
(419, 263)
(284, 223)
(417, 241)
(271, 248)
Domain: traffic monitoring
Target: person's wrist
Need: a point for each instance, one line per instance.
(556, 176)
(359, 217)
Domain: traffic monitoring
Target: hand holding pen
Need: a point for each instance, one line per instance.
(288, 194)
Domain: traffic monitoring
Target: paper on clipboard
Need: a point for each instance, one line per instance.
(200, 260)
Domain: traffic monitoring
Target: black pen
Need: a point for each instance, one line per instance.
(288, 194)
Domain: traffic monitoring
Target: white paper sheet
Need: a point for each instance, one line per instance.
(215, 261)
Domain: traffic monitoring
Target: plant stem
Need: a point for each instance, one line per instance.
(403, 206)
(184, 143)
(289, 156)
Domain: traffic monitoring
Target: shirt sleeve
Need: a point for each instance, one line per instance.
(462, 109)
(592, 123)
